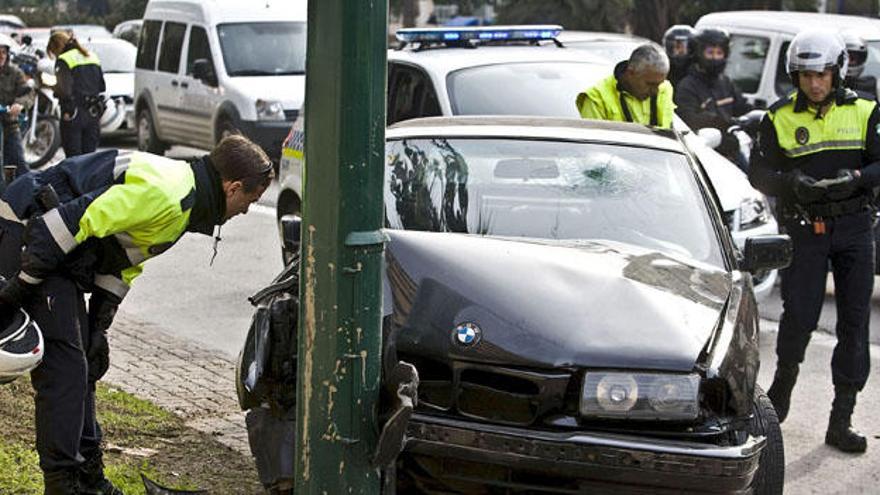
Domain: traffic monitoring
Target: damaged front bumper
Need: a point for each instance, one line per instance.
(461, 452)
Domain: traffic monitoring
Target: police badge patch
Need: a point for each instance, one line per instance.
(802, 135)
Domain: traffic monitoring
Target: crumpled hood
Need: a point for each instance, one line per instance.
(289, 90)
(602, 305)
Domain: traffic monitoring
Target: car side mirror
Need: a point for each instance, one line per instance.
(204, 71)
(710, 136)
(766, 252)
(291, 227)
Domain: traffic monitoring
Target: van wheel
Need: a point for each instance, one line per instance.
(225, 127)
(771, 470)
(146, 134)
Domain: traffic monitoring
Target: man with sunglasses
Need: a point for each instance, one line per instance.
(87, 225)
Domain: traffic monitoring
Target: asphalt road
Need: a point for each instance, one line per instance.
(181, 293)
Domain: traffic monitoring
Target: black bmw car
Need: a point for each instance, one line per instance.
(578, 315)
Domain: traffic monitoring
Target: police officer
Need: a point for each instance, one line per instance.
(706, 97)
(857, 50)
(637, 91)
(87, 225)
(17, 96)
(678, 41)
(818, 152)
(79, 87)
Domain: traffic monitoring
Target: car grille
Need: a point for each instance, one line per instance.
(490, 393)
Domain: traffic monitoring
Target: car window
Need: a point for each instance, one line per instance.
(872, 66)
(745, 65)
(526, 88)
(410, 94)
(146, 55)
(263, 48)
(564, 192)
(783, 84)
(172, 43)
(612, 51)
(199, 48)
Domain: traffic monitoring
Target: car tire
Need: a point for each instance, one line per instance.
(226, 127)
(770, 477)
(147, 138)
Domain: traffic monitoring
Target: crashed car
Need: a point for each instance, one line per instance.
(576, 311)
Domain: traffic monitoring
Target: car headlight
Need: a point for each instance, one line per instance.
(270, 110)
(753, 212)
(640, 396)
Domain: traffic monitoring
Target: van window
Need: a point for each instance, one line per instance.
(172, 43)
(198, 48)
(146, 55)
(263, 48)
(783, 84)
(410, 94)
(746, 62)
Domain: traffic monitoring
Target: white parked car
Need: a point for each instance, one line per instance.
(117, 61)
(759, 41)
(523, 78)
(205, 69)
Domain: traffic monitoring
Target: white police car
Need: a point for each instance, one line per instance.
(511, 70)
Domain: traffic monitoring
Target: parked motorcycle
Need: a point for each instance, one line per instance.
(41, 130)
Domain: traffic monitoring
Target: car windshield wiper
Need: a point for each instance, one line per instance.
(259, 72)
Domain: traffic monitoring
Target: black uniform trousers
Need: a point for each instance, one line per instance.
(849, 246)
(81, 134)
(67, 429)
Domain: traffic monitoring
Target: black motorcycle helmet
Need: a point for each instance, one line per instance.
(674, 39)
(711, 37)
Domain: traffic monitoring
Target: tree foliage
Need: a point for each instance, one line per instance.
(105, 12)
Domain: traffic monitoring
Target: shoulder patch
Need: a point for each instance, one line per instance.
(779, 103)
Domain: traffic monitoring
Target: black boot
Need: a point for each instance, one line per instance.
(92, 480)
(64, 482)
(840, 434)
(780, 390)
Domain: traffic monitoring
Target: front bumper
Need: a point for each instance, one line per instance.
(462, 452)
(269, 134)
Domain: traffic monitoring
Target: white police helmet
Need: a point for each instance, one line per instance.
(817, 50)
(7, 41)
(857, 51)
(21, 346)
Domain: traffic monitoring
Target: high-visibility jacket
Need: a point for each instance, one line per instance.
(79, 77)
(608, 101)
(116, 211)
(792, 137)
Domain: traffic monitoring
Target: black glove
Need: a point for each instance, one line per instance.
(804, 188)
(13, 294)
(846, 184)
(102, 309)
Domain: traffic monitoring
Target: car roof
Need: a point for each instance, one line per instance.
(224, 11)
(529, 127)
(792, 22)
(445, 60)
(598, 36)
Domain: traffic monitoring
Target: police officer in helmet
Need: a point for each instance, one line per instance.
(857, 49)
(818, 152)
(706, 97)
(678, 41)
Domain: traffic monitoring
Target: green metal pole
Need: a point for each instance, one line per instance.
(342, 247)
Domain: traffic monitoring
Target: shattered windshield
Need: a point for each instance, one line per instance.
(561, 191)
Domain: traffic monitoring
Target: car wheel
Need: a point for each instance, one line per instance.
(146, 134)
(771, 472)
(225, 127)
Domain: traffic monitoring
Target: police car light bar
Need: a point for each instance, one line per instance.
(494, 33)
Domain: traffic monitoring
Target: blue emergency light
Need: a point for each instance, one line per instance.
(493, 33)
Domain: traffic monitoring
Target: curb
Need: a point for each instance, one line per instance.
(194, 383)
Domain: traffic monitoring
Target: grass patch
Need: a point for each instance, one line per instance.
(151, 440)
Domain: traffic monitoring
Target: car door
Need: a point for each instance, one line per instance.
(198, 97)
(410, 94)
(167, 92)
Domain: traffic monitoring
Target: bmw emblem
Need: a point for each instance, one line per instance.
(467, 334)
(802, 135)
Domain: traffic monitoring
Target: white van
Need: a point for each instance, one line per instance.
(206, 68)
(759, 41)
